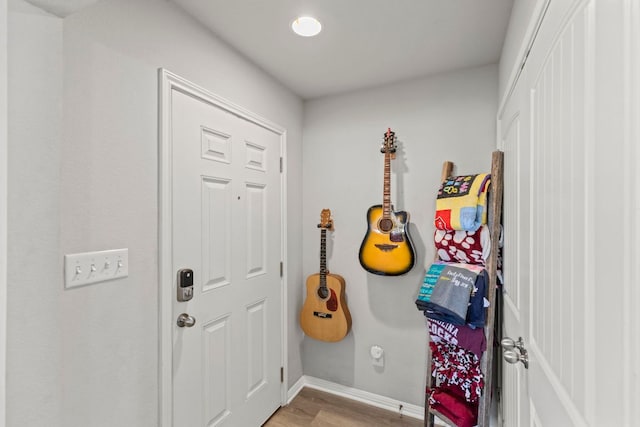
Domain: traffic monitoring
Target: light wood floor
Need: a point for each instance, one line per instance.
(319, 409)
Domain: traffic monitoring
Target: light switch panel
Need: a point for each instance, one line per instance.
(93, 267)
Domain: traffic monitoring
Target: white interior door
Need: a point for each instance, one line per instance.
(544, 129)
(226, 210)
(514, 127)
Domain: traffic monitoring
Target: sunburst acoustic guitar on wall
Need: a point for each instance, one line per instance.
(325, 315)
(387, 249)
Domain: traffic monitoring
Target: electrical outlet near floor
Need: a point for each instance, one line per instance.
(93, 267)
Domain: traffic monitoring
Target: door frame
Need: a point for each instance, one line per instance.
(528, 38)
(631, 325)
(4, 198)
(167, 82)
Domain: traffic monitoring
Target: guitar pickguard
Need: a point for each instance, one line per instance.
(396, 236)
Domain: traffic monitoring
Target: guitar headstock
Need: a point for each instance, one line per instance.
(389, 144)
(325, 220)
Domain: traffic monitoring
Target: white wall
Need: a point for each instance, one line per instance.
(444, 117)
(35, 323)
(83, 176)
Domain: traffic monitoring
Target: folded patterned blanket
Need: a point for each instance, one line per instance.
(461, 202)
(469, 247)
(454, 293)
(458, 369)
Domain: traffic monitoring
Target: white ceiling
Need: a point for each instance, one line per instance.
(364, 43)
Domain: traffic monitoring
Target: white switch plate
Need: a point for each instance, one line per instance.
(93, 267)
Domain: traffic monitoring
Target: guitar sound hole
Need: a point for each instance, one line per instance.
(323, 293)
(385, 225)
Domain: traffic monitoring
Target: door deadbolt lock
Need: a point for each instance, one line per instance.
(185, 284)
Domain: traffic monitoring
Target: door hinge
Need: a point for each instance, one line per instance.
(280, 164)
(281, 374)
(281, 268)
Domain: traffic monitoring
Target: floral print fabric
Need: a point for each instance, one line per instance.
(455, 366)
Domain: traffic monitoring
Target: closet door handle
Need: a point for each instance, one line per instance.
(509, 344)
(184, 320)
(514, 351)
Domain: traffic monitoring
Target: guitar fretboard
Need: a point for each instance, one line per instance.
(386, 190)
(323, 258)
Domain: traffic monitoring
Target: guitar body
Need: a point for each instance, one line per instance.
(325, 319)
(387, 253)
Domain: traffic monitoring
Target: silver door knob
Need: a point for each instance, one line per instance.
(184, 320)
(512, 356)
(509, 344)
(514, 351)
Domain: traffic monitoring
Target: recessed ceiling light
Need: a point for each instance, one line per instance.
(306, 26)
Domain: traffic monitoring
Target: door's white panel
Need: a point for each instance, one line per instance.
(216, 336)
(216, 145)
(256, 229)
(256, 156)
(511, 392)
(220, 209)
(631, 348)
(535, 420)
(559, 212)
(516, 248)
(512, 283)
(216, 232)
(257, 345)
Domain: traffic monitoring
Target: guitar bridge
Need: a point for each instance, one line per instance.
(322, 315)
(385, 247)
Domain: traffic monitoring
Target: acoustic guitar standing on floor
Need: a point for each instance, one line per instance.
(386, 249)
(325, 315)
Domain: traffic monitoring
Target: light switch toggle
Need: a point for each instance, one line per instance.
(92, 267)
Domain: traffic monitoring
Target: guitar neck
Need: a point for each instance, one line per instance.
(323, 258)
(386, 190)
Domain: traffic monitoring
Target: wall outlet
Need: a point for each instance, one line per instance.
(377, 355)
(93, 267)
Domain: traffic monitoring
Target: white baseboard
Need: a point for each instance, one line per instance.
(295, 389)
(408, 409)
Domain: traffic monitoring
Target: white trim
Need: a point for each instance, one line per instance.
(283, 257)
(590, 385)
(527, 41)
(631, 65)
(168, 82)
(295, 389)
(372, 399)
(627, 209)
(634, 121)
(4, 121)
